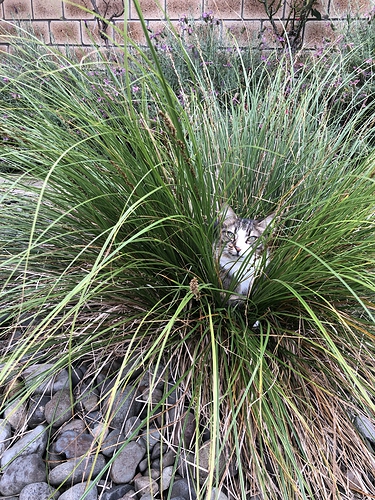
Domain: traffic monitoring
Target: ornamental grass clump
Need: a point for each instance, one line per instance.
(106, 256)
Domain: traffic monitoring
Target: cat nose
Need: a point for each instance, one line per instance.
(238, 250)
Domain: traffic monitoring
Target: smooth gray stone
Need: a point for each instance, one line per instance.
(76, 470)
(35, 413)
(181, 488)
(204, 462)
(166, 477)
(76, 492)
(112, 443)
(117, 492)
(87, 396)
(38, 491)
(53, 459)
(218, 495)
(16, 414)
(130, 427)
(53, 383)
(32, 442)
(77, 425)
(21, 472)
(152, 396)
(168, 458)
(124, 465)
(143, 464)
(5, 434)
(144, 485)
(123, 406)
(155, 377)
(59, 409)
(73, 444)
(152, 437)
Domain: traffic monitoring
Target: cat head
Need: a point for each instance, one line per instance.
(238, 236)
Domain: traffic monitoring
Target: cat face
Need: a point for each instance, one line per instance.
(239, 236)
(240, 252)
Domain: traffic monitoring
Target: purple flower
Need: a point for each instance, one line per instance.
(207, 16)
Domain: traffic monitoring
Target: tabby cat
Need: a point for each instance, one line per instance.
(240, 255)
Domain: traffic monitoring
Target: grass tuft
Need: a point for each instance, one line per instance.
(108, 211)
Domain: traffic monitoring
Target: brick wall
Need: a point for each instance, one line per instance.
(59, 22)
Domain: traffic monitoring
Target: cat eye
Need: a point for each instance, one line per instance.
(231, 236)
(251, 239)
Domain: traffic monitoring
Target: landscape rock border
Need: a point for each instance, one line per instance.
(56, 443)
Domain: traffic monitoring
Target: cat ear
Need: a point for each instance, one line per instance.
(263, 224)
(227, 215)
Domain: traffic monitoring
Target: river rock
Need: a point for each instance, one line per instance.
(157, 450)
(204, 462)
(130, 429)
(21, 472)
(33, 377)
(152, 437)
(218, 495)
(188, 427)
(145, 486)
(15, 413)
(76, 470)
(150, 396)
(93, 418)
(59, 409)
(181, 488)
(99, 432)
(73, 444)
(154, 377)
(76, 492)
(124, 465)
(53, 459)
(77, 425)
(87, 396)
(166, 477)
(168, 458)
(32, 442)
(38, 491)
(112, 443)
(129, 496)
(147, 496)
(143, 464)
(117, 492)
(35, 413)
(5, 434)
(123, 406)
